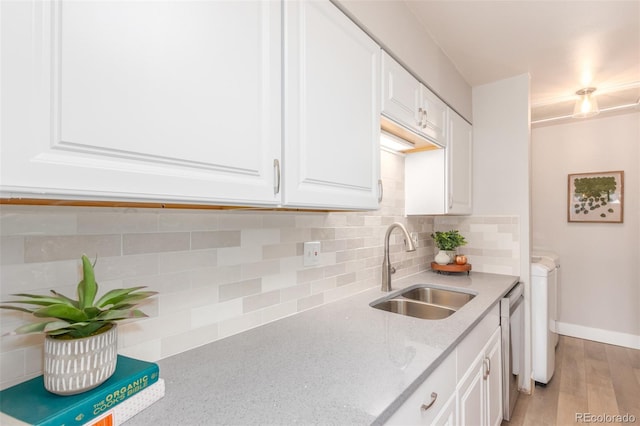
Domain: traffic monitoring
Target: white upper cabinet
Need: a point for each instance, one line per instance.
(439, 181)
(459, 166)
(181, 101)
(166, 101)
(434, 123)
(409, 103)
(331, 109)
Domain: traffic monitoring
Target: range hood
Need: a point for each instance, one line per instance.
(410, 141)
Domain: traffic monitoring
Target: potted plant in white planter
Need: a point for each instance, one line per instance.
(81, 346)
(447, 242)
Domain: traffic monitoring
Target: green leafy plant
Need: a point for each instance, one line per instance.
(72, 319)
(448, 240)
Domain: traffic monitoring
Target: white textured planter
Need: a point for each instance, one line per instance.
(442, 258)
(78, 365)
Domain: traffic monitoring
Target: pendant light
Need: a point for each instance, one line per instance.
(586, 104)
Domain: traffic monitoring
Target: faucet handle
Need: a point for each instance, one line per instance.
(392, 269)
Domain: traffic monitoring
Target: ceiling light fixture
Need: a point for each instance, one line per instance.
(586, 104)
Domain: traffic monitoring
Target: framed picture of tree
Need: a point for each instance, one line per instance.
(596, 197)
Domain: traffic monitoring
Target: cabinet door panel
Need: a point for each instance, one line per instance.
(435, 125)
(332, 109)
(148, 100)
(459, 160)
(425, 188)
(401, 93)
(494, 381)
(471, 395)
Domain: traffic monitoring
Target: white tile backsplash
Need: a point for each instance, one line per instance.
(219, 272)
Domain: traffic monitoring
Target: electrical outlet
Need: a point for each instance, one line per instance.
(414, 237)
(311, 253)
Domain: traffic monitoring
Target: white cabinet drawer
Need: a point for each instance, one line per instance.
(439, 386)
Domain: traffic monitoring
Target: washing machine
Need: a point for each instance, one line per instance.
(552, 257)
(544, 314)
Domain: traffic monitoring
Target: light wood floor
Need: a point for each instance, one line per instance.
(590, 377)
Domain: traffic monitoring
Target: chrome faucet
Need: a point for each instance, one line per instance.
(387, 269)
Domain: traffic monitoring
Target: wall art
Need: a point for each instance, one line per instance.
(596, 197)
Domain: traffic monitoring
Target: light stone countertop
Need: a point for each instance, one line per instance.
(340, 363)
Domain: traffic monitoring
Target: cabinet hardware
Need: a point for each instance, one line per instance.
(425, 120)
(420, 115)
(425, 407)
(276, 172)
(380, 191)
(487, 368)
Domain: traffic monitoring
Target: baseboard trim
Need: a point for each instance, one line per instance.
(599, 335)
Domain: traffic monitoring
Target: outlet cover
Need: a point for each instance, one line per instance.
(311, 253)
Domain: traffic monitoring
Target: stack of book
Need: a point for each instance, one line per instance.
(134, 386)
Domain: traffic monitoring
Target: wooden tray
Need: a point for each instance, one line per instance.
(451, 267)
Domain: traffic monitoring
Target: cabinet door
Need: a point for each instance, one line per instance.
(493, 380)
(425, 184)
(331, 110)
(471, 407)
(434, 123)
(165, 101)
(480, 390)
(459, 166)
(401, 97)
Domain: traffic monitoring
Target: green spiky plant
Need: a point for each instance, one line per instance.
(448, 240)
(72, 319)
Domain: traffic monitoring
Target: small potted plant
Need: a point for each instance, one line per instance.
(447, 242)
(80, 348)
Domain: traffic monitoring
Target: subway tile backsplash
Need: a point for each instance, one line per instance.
(218, 273)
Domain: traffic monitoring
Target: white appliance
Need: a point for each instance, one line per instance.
(544, 314)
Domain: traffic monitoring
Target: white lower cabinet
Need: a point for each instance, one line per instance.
(480, 391)
(447, 415)
(466, 388)
(432, 398)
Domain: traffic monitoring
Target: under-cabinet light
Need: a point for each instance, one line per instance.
(394, 143)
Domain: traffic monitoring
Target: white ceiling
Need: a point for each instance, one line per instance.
(563, 44)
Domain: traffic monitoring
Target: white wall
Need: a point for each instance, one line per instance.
(501, 134)
(599, 295)
(501, 168)
(393, 25)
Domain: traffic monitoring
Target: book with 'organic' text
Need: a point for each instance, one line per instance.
(31, 403)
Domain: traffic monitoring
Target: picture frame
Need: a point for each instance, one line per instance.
(596, 197)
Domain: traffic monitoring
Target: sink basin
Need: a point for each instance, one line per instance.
(425, 302)
(413, 308)
(437, 296)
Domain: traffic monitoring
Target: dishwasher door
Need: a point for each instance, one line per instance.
(512, 325)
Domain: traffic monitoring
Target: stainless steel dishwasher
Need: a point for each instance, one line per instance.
(512, 324)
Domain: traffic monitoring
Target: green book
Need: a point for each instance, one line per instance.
(31, 403)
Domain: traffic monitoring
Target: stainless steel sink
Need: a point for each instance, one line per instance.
(437, 296)
(425, 302)
(414, 309)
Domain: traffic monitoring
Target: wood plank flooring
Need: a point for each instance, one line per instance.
(590, 377)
